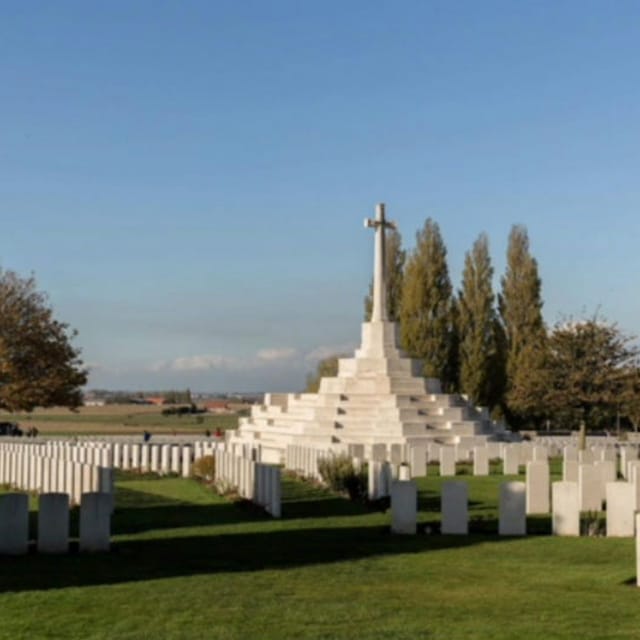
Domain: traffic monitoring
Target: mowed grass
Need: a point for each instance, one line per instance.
(118, 419)
(189, 564)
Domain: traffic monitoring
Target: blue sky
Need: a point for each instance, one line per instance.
(187, 180)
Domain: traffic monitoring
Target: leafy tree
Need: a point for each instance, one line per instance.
(481, 371)
(38, 364)
(427, 311)
(590, 373)
(520, 305)
(175, 396)
(394, 267)
(629, 405)
(327, 368)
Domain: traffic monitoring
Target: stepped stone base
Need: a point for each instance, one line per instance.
(378, 397)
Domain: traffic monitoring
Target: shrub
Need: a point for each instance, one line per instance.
(204, 469)
(340, 475)
(593, 523)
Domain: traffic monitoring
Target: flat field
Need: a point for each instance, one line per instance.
(118, 419)
(189, 564)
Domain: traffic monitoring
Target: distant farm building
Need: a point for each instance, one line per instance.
(217, 406)
(94, 403)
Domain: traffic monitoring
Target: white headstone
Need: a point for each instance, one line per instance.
(418, 460)
(540, 453)
(175, 459)
(95, 522)
(404, 507)
(569, 470)
(144, 458)
(397, 454)
(537, 487)
(447, 461)
(404, 472)
(621, 507)
(455, 510)
(570, 453)
(165, 453)
(135, 457)
(512, 520)
(607, 470)
(626, 455)
(14, 523)
(566, 509)
(638, 549)
(511, 460)
(585, 457)
(186, 461)
(589, 487)
(480, 461)
(126, 457)
(53, 523)
(379, 452)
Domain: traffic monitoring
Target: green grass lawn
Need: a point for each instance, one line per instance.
(69, 423)
(189, 564)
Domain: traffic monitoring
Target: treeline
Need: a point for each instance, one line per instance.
(173, 396)
(495, 347)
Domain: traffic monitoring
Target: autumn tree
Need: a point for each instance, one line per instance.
(326, 368)
(39, 366)
(481, 370)
(591, 372)
(520, 305)
(630, 402)
(427, 311)
(394, 266)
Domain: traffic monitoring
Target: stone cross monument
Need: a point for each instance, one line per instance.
(380, 224)
(378, 397)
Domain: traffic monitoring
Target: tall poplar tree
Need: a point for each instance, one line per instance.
(394, 267)
(481, 373)
(427, 310)
(520, 306)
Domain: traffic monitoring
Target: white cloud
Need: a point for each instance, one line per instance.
(202, 363)
(269, 355)
(210, 362)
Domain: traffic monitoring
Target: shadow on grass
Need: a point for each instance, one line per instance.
(159, 558)
(139, 511)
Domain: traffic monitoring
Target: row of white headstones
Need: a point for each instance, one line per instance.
(53, 522)
(589, 480)
(512, 521)
(66, 473)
